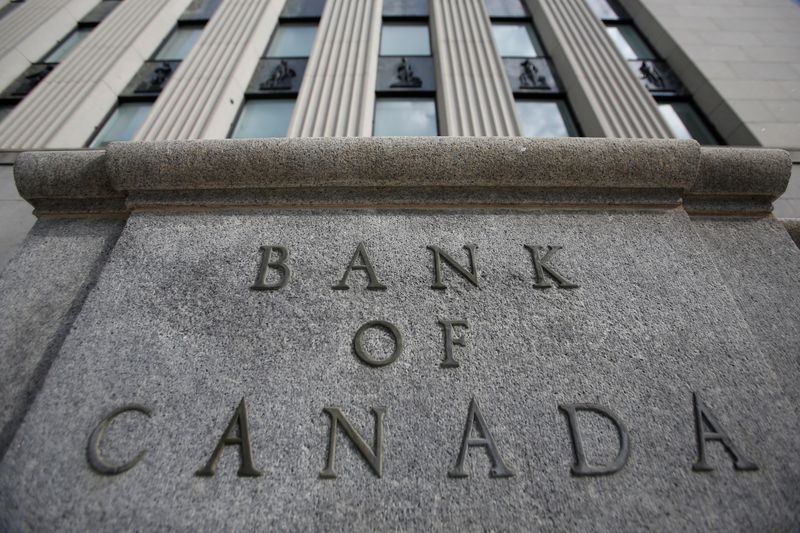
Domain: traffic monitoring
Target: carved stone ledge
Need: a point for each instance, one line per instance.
(404, 172)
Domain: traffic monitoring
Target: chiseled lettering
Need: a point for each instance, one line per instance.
(231, 438)
(581, 466)
(267, 265)
(703, 418)
(95, 458)
(373, 456)
(362, 257)
(361, 350)
(474, 418)
(450, 341)
(470, 275)
(541, 264)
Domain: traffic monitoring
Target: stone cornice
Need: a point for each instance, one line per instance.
(403, 172)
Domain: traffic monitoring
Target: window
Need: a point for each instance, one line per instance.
(545, 118)
(405, 116)
(516, 40)
(303, 9)
(674, 101)
(271, 94)
(405, 40)
(178, 44)
(66, 46)
(264, 118)
(685, 122)
(405, 90)
(540, 101)
(629, 43)
(136, 100)
(506, 8)
(405, 8)
(292, 40)
(123, 124)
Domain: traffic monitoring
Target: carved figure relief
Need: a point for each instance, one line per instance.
(405, 76)
(530, 78)
(281, 77)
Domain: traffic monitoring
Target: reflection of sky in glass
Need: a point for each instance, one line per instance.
(403, 117)
(629, 43)
(179, 43)
(5, 110)
(685, 123)
(505, 8)
(516, 40)
(264, 118)
(66, 47)
(405, 40)
(542, 119)
(123, 124)
(293, 40)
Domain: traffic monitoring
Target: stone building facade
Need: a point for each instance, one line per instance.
(78, 73)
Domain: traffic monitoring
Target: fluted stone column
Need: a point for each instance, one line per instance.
(473, 92)
(203, 96)
(337, 97)
(608, 99)
(73, 101)
(32, 29)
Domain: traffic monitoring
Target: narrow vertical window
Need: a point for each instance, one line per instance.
(138, 97)
(405, 102)
(271, 94)
(674, 101)
(541, 103)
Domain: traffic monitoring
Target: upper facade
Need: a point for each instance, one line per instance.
(82, 73)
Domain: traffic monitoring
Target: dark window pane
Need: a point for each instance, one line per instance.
(100, 12)
(123, 123)
(629, 43)
(404, 117)
(405, 40)
(506, 8)
(292, 40)
(685, 122)
(264, 118)
(606, 9)
(516, 40)
(405, 8)
(66, 46)
(5, 110)
(179, 43)
(200, 10)
(545, 118)
(303, 9)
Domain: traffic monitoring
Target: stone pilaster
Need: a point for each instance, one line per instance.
(337, 97)
(474, 95)
(607, 98)
(32, 29)
(66, 107)
(202, 98)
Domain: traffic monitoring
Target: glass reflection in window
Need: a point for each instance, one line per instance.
(405, 116)
(516, 40)
(123, 123)
(264, 118)
(405, 40)
(292, 40)
(545, 118)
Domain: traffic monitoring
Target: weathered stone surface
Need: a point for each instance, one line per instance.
(173, 325)
(761, 268)
(403, 161)
(41, 291)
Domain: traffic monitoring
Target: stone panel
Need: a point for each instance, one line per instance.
(173, 325)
